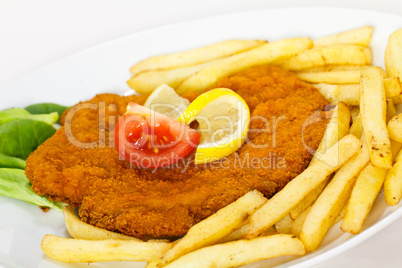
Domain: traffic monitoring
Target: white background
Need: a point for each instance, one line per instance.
(36, 33)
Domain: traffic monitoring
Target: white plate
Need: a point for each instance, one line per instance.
(104, 68)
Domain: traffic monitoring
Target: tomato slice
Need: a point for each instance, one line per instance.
(149, 139)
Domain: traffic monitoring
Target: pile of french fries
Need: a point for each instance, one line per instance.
(359, 155)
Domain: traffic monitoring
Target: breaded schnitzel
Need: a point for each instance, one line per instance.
(113, 195)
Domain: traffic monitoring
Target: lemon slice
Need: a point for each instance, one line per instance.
(223, 121)
(166, 101)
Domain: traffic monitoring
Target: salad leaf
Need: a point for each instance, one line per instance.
(46, 108)
(19, 113)
(11, 162)
(20, 137)
(14, 184)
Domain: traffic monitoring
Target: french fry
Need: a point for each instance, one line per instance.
(393, 55)
(80, 250)
(196, 56)
(357, 127)
(364, 193)
(399, 156)
(392, 86)
(373, 112)
(331, 55)
(298, 188)
(396, 149)
(350, 94)
(217, 226)
(393, 180)
(297, 224)
(393, 184)
(81, 230)
(264, 54)
(240, 252)
(360, 36)
(332, 200)
(341, 214)
(283, 226)
(239, 234)
(236, 235)
(397, 100)
(335, 68)
(354, 112)
(269, 231)
(146, 82)
(391, 111)
(395, 128)
(332, 77)
(308, 200)
(155, 263)
(337, 128)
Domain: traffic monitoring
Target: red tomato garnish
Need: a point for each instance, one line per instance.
(149, 139)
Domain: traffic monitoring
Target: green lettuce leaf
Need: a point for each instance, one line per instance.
(19, 113)
(46, 108)
(11, 162)
(14, 184)
(20, 137)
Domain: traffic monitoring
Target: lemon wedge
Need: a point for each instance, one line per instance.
(223, 121)
(166, 101)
